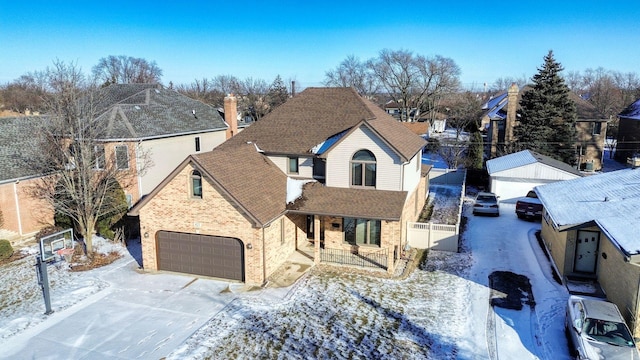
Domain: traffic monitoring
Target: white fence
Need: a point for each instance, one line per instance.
(433, 236)
(439, 236)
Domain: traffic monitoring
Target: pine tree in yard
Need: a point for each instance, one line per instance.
(547, 116)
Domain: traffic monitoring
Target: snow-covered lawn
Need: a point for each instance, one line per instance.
(440, 311)
(342, 315)
(21, 301)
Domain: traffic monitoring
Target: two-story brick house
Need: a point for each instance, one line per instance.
(146, 129)
(327, 167)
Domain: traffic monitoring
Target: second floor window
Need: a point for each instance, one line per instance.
(122, 157)
(597, 128)
(293, 165)
(99, 157)
(196, 185)
(363, 169)
(197, 143)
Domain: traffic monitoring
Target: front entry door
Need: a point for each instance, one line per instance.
(586, 251)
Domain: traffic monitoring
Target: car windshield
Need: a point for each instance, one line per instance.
(611, 332)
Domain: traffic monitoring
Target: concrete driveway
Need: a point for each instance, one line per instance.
(139, 316)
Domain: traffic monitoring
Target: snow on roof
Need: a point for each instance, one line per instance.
(294, 188)
(632, 111)
(611, 200)
(523, 158)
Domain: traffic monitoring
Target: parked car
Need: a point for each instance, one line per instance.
(529, 206)
(486, 203)
(598, 331)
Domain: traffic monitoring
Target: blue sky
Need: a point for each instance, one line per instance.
(301, 40)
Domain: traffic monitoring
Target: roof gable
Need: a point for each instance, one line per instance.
(153, 112)
(244, 174)
(319, 115)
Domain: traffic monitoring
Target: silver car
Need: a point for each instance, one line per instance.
(597, 330)
(486, 203)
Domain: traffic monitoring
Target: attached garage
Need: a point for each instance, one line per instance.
(207, 255)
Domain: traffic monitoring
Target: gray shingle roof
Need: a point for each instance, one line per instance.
(16, 136)
(143, 111)
(317, 114)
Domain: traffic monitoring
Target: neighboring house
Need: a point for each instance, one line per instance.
(500, 118)
(149, 130)
(326, 168)
(590, 230)
(512, 176)
(22, 212)
(149, 124)
(628, 142)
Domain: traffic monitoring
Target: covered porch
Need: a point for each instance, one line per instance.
(349, 227)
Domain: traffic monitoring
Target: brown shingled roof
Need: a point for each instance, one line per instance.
(361, 203)
(251, 179)
(242, 173)
(317, 114)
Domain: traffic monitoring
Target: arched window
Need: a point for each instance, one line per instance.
(363, 169)
(196, 185)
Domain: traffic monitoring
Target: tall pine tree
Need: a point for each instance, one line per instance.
(278, 93)
(547, 116)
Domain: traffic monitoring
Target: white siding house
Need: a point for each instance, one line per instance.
(388, 165)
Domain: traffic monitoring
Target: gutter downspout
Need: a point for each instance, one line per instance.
(15, 196)
(264, 262)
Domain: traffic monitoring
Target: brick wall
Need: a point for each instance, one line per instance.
(35, 213)
(173, 209)
(619, 280)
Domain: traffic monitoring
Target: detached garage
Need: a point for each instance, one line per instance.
(215, 256)
(512, 176)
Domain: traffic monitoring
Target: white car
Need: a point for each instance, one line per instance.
(486, 203)
(597, 330)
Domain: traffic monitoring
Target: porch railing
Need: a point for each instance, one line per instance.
(354, 257)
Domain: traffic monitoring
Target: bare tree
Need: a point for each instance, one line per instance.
(82, 179)
(124, 69)
(24, 93)
(252, 101)
(353, 73)
(414, 82)
(503, 83)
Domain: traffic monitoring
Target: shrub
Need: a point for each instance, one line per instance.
(6, 250)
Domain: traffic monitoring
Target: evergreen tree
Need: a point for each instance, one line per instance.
(475, 151)
(547, 116)
(278, 93)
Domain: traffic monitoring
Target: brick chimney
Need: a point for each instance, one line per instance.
(512, 107)
(231, 114)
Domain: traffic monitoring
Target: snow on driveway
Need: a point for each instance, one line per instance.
(441, 311)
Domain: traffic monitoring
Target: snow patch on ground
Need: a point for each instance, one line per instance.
(21, 301)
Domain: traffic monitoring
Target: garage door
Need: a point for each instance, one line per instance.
(511, 191)
(207, 255)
